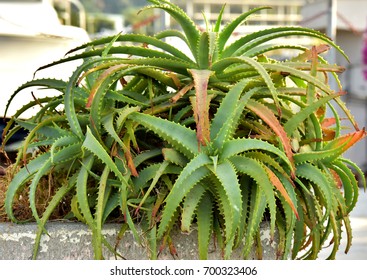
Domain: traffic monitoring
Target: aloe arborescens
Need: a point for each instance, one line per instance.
(222, 137)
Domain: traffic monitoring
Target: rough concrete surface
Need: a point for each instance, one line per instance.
(67, 240)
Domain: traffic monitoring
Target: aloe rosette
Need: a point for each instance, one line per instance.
(219, 139)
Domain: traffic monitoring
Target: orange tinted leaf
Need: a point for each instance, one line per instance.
(328, 122)
(181, 92)
(172, 248)
(337, 179)
(123, 82)
(311, 89)
(321, 111)
(328, 134)
(201, 104)
(106, 74)
(271, 120)
(175, 79)
(348, 140)
(279, 186)
(307, 54)
(130, 164)
(161, 196)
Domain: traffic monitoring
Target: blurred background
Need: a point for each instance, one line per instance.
(36, 32)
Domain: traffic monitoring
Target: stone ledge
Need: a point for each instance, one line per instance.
(72, 241)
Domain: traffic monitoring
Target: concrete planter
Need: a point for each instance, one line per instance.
(68, 240)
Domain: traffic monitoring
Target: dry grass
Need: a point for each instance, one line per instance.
(3, 184)
(44, 194)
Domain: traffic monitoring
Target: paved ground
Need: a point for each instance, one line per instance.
(358, 251)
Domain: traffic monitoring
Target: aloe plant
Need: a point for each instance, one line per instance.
(223, 138)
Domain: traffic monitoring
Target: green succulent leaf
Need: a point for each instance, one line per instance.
(192, 34)
(82, 192)
(56, 199)
(204, 221)
(257, 171)
(218, 139)
(226, 117)
(190, 206)
(191, 175)
(248, 42)
(181, 138)
(44, 83)
(321, 184)
(226, 174)
(238, 146)
(291, 125)
(228, 30)
(24, 175)
(256, 212)
(271, 120)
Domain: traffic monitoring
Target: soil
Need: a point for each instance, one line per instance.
(21, 208)
(3, 184)
(44, 193)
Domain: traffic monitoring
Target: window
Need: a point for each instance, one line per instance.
(235, 9)
(198, 8)
(215, 9)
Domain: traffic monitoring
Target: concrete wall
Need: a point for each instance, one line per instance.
(351, 13)
(72, 241)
